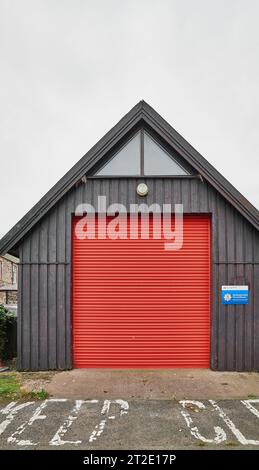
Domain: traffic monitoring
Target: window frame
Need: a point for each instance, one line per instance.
(14, 273)
(186, 167)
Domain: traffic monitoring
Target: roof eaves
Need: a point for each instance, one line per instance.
(70, 178)
(195, 159)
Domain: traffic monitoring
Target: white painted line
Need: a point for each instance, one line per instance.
(240, 437)
(11, 411)
(124, 406)
(220, 433)
(99, 428)
(57, 438)
(13, 439)
(250, 407)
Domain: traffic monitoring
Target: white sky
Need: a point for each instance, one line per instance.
(70, 69)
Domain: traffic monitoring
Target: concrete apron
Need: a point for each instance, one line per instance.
(155, 384)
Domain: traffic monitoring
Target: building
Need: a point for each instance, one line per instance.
(8, 280)
(129, 302)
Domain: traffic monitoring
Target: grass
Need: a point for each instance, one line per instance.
(10, 388)
(201, 444)
(231, 444)
(40, 395)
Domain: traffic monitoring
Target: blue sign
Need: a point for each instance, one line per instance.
(234, 295)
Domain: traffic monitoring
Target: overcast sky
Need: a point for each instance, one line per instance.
(70, 69)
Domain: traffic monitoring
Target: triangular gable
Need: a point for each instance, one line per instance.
(142, 147)
(140, 113)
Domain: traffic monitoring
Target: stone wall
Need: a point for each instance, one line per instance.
(8, 297)
(3, 297)
(12, 297)
(7, 271)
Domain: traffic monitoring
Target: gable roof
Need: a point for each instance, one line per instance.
(140, 112)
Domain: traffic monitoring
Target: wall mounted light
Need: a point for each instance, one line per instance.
(142, 189)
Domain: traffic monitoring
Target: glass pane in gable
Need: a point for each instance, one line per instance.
(157, 161)
(125, 162)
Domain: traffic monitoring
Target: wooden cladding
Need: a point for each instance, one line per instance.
(44, 326)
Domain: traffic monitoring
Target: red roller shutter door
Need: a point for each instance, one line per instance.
(137, 305)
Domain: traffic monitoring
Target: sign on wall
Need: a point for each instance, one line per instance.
(234, 295)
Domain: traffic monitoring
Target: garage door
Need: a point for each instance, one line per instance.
(137, 305)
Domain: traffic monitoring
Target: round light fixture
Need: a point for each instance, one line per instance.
(142, 189)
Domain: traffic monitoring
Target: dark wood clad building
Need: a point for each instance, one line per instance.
(122, 304)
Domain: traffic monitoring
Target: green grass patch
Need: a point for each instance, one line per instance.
(40, 395)
(10, 388)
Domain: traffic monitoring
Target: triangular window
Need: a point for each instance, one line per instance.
(126, 161)
(141, 156)
(157, 161)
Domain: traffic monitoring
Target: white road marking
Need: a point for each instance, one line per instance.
(250, 407)
(240, 437)
(57, 439)
(220, 433)
(99, 428)
(36, 416)
(124, 406)
(11, 411)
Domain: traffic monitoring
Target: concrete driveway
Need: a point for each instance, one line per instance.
(156, 384)
(60, 423)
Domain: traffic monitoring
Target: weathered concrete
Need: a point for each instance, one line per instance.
(157, 384)
(137, 424)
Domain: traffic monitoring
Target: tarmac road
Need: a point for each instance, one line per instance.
(134, 424)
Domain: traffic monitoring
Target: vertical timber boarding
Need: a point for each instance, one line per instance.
(44, 310)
